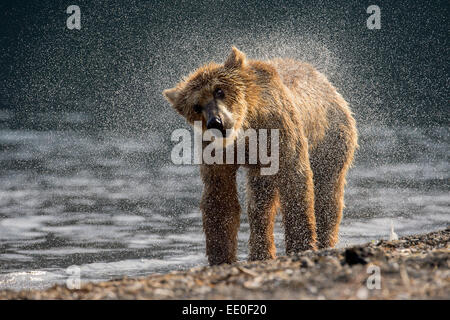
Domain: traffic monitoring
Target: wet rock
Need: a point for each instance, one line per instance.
(353, 256)
(306, 262)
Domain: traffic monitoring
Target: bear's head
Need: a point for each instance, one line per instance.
(214, 94)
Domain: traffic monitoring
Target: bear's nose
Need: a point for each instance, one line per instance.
(215, 123)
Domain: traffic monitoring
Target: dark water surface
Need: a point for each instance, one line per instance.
(115, 205)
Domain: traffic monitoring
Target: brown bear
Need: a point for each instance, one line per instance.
(317, 140)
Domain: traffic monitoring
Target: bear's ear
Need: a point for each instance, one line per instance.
(236, 59)
(171, 95)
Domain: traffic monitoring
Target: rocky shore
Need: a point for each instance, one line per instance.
(413, 267)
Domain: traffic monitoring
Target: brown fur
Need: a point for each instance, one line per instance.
(317, 141)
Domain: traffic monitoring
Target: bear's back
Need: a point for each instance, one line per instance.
(317, 99)
(301, 76)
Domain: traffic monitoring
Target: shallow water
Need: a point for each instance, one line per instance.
(116, 206)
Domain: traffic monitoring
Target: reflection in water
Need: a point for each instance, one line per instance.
(117, 206)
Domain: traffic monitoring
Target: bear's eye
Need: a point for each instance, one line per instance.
(219, 94)
(198, 108)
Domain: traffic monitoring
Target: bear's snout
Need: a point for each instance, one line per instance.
(215, 123)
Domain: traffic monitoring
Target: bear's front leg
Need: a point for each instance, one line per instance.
(297, 205)
(262, 201)
(221, 212)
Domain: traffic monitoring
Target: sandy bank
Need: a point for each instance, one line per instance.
(415, 267)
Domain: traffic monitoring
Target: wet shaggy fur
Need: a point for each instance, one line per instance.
(318, 138)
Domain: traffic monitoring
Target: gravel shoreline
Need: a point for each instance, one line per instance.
(413, 267)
